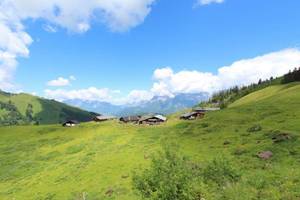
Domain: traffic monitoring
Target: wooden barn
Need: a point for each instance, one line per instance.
(103, 118)
(130, 119)
(197, 113)
(192, 115)
(153, 119)
(70, 123)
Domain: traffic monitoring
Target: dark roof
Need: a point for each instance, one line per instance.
(72, 122)
(161, 117)
(130, 118)
(147, 117)
(188, 114)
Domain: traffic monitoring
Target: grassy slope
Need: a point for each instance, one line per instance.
(52, 162)
(22, 100)
(277, 90)
(47, 111)
(54, 112)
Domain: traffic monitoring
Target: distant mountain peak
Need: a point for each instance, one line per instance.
(158, 104)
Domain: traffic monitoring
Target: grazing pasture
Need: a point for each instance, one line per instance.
(97, 161)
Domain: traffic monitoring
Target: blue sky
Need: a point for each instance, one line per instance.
(170, 42)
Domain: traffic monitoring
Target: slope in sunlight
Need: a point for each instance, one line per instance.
(16, 109)
(276, 91)
(98, 160)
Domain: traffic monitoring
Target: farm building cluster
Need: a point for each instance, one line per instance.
(197, 113)
(152, 119)
(147, 119)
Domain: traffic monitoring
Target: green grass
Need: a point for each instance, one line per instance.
(276, 90)
(22, 100)
(52, 162)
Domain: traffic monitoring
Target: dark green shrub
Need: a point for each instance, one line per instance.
(170, 177)
(223, 105)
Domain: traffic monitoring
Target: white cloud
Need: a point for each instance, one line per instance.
(99, 94)
(247, 71)
(91, 93)
(73, 15)
(49, 28)
(168, 83)
(76, 15)
(59, 82)
(13, 43)
(207, 2)
(242, 72)
(72, 78)
(136, 96)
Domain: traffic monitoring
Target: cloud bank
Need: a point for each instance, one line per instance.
(72, 15)
(91, 94)
(242, 72)
(168, 83)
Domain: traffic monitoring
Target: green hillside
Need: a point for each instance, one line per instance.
(97, 161)
(18, 109)
(287, 92)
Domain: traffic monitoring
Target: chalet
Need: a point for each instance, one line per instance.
(197, 113)
(152, 119)
(130, 119)
(192, 115)
(103, 118)
(70, 123)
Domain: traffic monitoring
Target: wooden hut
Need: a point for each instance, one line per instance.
(192, 115)
(70, 123)
(103, 118)
(130, 119)
(153, 119)
(197, 113)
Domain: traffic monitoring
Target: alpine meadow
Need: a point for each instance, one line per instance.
(98, 161)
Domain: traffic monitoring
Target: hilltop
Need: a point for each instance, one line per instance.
(98, 160)
(16, 109)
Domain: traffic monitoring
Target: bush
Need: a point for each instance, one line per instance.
(220, 172)
(171, 176)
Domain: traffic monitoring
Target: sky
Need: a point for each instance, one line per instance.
(126, 51)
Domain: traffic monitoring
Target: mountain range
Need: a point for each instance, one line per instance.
(20, 109)
(158, 104)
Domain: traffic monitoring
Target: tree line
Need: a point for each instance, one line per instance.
(292, 76)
